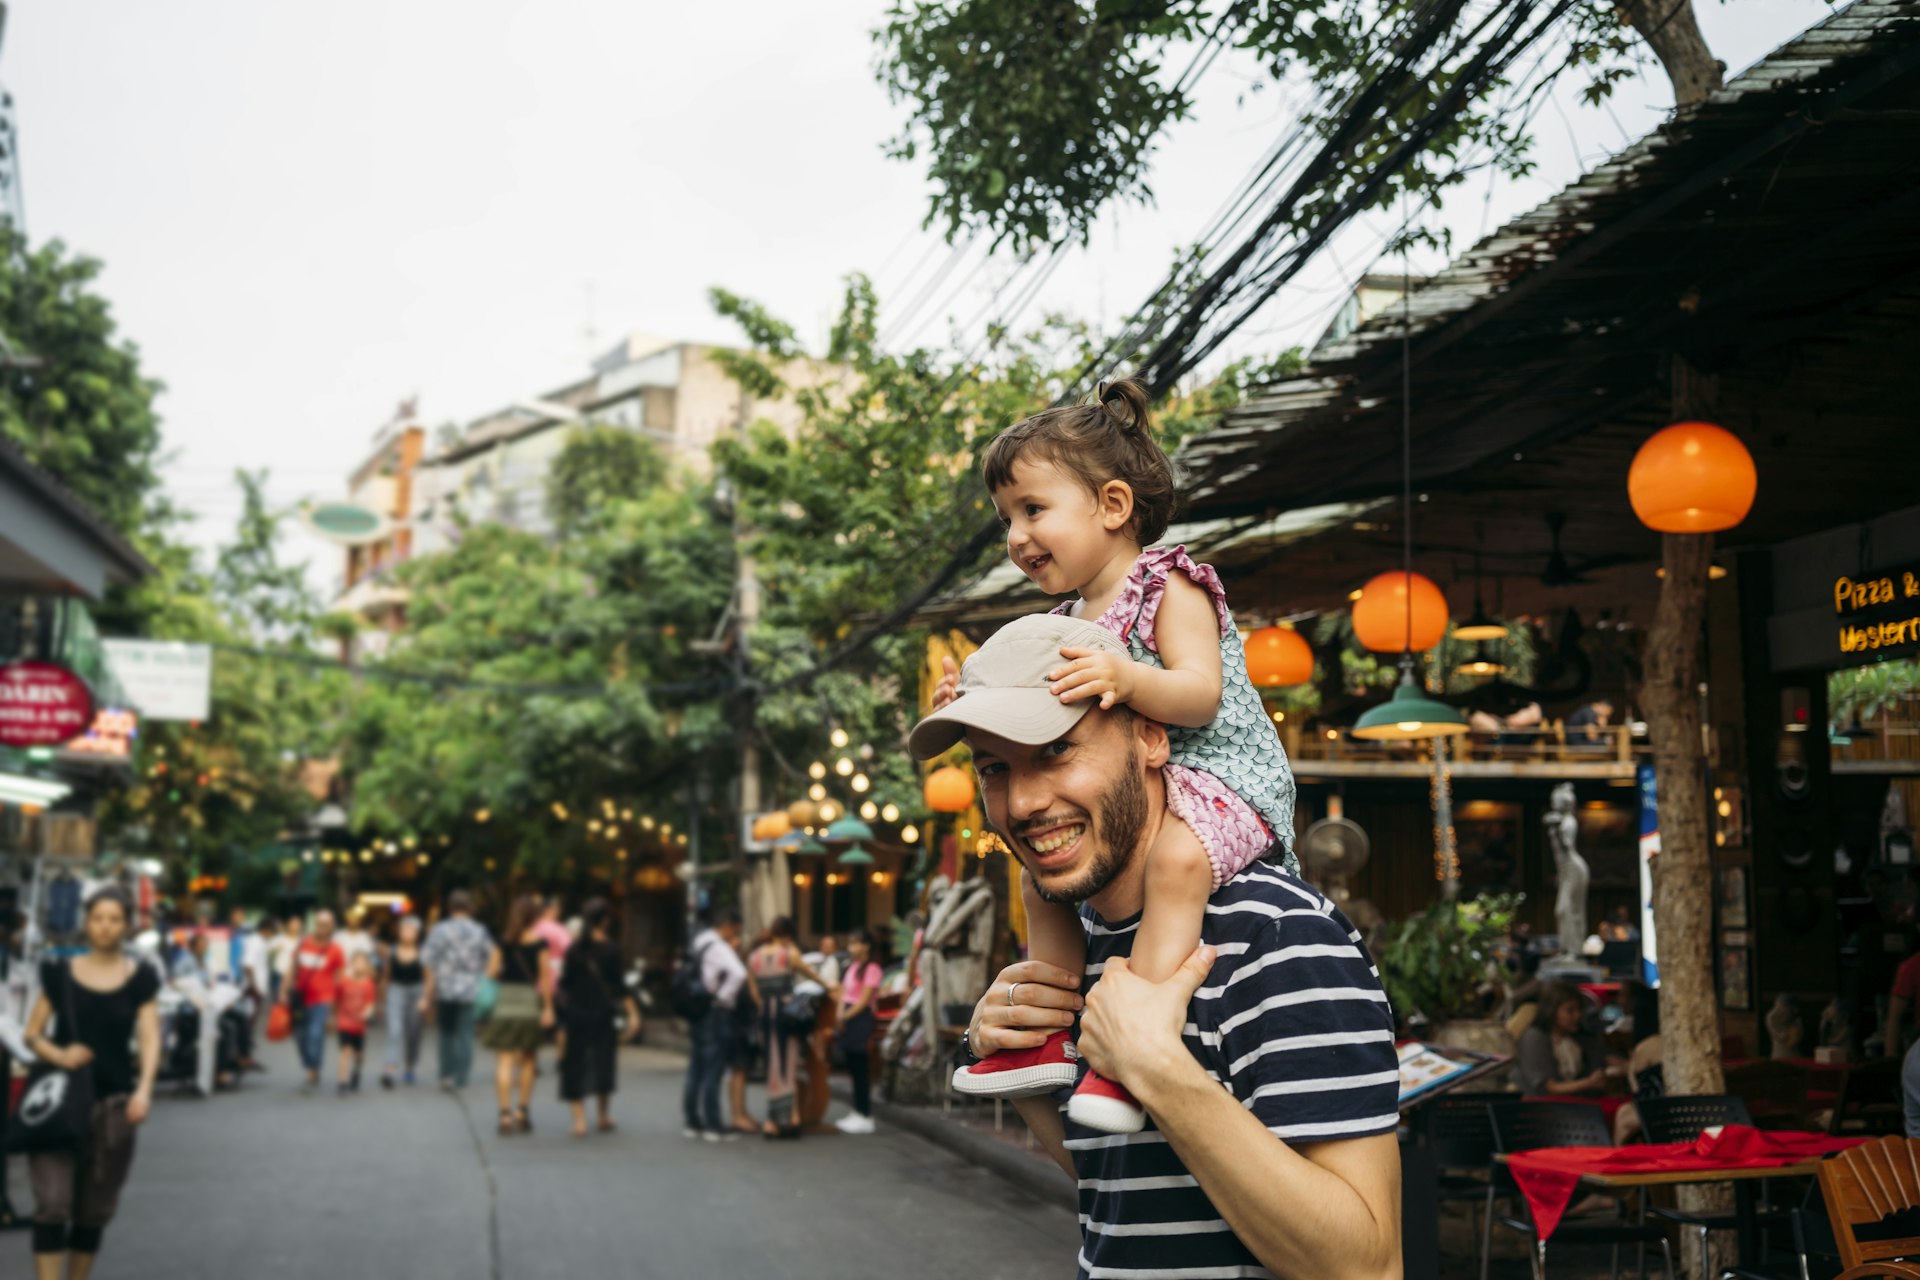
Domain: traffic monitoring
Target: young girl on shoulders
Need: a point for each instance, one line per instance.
(1083, 493)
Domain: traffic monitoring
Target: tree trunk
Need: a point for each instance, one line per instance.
(1683, 872)
(1669, 28)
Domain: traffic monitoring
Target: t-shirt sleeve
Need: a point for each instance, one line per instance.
(144, 985)
(1307, 1033)
(1906, 980)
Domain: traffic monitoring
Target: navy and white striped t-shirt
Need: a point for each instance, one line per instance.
(1294, 1020)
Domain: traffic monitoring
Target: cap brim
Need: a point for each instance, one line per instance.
(1030, 717)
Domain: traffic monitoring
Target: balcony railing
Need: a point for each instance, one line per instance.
(1546, 750)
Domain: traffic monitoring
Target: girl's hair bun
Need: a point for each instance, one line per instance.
(1127, 403)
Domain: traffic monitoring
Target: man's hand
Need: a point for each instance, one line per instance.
(949, 687)
(1044, 1001)
(1093, 673)
(1131, 1031)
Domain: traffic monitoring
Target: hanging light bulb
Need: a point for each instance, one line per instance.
(909, 834)
(890, 813)
(861, 782)
(838, 737)
(869, 811)
(816, 771)
(829, 811)
(816, 792)
(1480, 626)
(843, 766)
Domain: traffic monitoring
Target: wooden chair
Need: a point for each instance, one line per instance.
(1867, 1185)
(1775, 1092)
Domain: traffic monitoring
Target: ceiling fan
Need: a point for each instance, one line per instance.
(1561, 572)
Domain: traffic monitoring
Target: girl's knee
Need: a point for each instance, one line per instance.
(1178, 858)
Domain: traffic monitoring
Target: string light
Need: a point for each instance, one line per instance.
(861, 782)
(816, 771)
(909, 834)
(869, 811)
(559, 811)
(843, 766)
(891, 813)
(839, 738)
(646, 822)
(482, 815)
(816, 792)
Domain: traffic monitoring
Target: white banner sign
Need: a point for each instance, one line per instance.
(164, 679)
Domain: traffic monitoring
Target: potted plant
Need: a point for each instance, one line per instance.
(1442, 968)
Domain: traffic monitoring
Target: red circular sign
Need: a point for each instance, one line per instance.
(42, 704)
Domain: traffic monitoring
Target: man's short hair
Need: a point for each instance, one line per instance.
(459, 902)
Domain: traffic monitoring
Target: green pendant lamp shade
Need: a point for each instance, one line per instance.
(850, 828)
(855, 857)
(1409, 714)
(810, 845)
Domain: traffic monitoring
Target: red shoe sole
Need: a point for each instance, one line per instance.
(1021, 1082)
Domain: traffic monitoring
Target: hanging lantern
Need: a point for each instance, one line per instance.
(1383, 622)
(855, 857)
(849, 829)
(1278, 656)
(1692, 477)
(802, 813)
(1409, 714)
(949, 790)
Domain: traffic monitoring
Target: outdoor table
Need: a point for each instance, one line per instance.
(1738, 1154)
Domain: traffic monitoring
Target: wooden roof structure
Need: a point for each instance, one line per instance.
(1770, 236)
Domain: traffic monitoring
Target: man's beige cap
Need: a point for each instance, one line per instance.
(1004, 687)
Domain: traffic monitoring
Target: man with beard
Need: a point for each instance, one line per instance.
(1290, 1169)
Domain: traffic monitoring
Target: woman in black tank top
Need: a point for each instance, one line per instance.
(406, 977)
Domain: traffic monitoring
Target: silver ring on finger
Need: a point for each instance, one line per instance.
(1011, 988)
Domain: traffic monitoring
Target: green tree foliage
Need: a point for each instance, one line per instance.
(206, 795)
(1031, 116)
(601, 466)
(535, 673)
(72, 395)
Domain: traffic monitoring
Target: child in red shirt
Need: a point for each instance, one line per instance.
(351, 1007)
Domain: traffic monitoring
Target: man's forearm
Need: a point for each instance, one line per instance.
(1042, 1116)
(1322, 1212)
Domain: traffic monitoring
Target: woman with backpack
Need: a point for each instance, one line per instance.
(592, 993)
(775, 965)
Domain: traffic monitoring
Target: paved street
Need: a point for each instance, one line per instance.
(411, 1184)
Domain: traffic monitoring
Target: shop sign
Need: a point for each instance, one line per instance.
(1877, 614)
(1847, 597)
(163, 679)
(42, 704)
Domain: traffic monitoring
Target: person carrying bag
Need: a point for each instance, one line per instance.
(56, 1108)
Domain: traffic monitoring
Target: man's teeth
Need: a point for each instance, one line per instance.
(1058, 840)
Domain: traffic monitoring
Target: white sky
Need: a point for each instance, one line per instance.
(309, 213)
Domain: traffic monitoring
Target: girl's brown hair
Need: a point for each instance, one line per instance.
(1110, 439)
(526, 909)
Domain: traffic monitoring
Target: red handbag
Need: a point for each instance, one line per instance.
(279, 1023)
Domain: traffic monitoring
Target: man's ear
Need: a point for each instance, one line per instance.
(1116, 505)
(1151, 737)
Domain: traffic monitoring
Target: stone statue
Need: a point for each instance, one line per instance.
(1784, 1027)
(1571, 871)
(1836, 1028)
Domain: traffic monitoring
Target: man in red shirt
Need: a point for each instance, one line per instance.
(317, 966)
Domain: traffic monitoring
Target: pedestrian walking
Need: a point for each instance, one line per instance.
(458, 953)
(111, 1001)
(522, 1013)
(859, 987)
(248, 959)
(742, 1051)
(355, 940)
(593, 996)
(775, 965)
(352, 1008)
(406, 978)
(721, 976)
(317, 966)
(280, 949)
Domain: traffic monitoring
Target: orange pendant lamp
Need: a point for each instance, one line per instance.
(1278, 656)
(1692, 477)
(949, 790)
(1400, 612)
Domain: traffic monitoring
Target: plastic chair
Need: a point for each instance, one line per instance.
(1867, 1185)
(1529, 1126)
(1681, 1118)
(1773, 1091)
(1458, 1129)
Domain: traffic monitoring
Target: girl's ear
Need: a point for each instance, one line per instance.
(1116, 505)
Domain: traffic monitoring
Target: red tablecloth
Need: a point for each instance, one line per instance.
(1548, 1176)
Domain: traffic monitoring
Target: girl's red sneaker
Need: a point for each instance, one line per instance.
(1022, 1073)
(1101, 1104)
